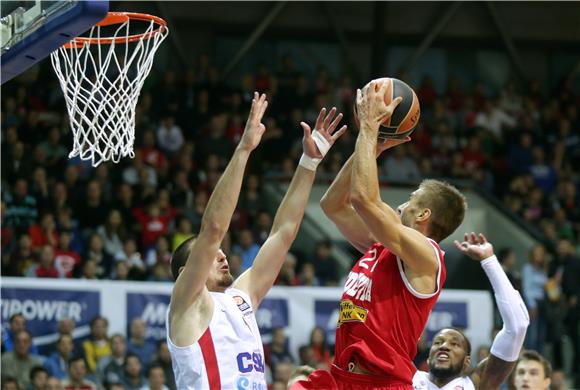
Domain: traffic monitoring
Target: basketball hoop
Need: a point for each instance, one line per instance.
(101, 84)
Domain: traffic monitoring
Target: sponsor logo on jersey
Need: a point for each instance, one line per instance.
(241, 302)
(358, 286)
(248, 362)
(349, 312)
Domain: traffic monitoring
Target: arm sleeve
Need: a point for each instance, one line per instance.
(508, 342)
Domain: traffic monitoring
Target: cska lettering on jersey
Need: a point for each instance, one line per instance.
(358, 286)
(248, 362)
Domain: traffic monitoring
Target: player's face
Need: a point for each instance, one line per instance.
(220, 277)
(529, 375)
(448, 354)
(408, 210)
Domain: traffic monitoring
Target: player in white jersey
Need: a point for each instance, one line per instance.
(212, 332)
(449, 357)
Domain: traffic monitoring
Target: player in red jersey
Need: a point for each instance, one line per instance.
(391, 290)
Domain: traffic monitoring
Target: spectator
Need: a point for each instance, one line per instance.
(21, 208)
(22, 258)
(65, 257)
(53, 383)
(138, 343)
(507, 259)
(19, 362)
(277, 351)
(110, 368)
(532, 371)
(287, 275)
(307, 276)
(183, 232)
(112, 233)
(151, 154)
(153, 224)
(247, 248)
(38, 378)
(16, 323)
(319, 346)
(534, 279)
(164, 360)
(169, 135)
(133, 378)
(46, 267)
(96, 253)
(57, 363)
(77, 372)
(97, 346)
(262, 227)
(132, 258)
(10, 383)
(325, 266)
(155, 379)
(92, 211)
(399, 166)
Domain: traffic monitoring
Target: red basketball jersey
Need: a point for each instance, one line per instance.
(382, 316)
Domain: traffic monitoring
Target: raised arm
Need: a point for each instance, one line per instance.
(338, 208)
(259, 278)
(506, 347)
(382, 221)
(218, 213)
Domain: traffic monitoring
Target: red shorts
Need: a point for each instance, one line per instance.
(339, 379)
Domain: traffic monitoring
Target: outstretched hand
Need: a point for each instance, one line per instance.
(477, 248)
(371, 107)
(254, 126)
(325, 126)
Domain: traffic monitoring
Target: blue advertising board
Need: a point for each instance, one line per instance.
(152, 308)
(43, 308)
(272, 313)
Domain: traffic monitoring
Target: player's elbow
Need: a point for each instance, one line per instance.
(359, 200)
(213, 230)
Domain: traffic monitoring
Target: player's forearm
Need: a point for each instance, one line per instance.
(338, 194)
(291, 210)
(223, 200)
(509, 341)
(365, 184)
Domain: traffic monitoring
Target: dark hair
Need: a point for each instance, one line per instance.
(154, 366)
(447, 206)
(9, 379)
(132, 355)
(35, 370)
(180, 256)
(529, 354)
(95, 319)
(503, 253)
(460, 331)
(13, 316)
(75, 359)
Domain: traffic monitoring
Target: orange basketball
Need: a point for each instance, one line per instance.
(406, 115)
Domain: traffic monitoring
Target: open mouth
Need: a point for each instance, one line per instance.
(442, 357)
(225, 268)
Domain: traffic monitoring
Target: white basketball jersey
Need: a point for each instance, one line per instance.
(229, 354)
(421, 382)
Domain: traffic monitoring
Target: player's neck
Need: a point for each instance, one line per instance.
(440, 382)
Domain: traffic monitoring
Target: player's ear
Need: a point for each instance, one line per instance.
(467, 363)
(423, 215)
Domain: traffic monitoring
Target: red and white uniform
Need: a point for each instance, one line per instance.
(382, 316)
(229, 354)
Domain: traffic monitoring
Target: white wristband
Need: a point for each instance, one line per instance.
(311, 163)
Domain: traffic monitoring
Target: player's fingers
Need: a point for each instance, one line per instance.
(466, 237)
(394, 103)
(340, 132)
(320, 118)
(459, 246)
(482, 238)
(474, 238)
(254, 101)
(383, 88)
(263, 108)
(329, 117)
(307, 129)
(334, 124)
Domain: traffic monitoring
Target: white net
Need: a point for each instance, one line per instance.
(101, 83)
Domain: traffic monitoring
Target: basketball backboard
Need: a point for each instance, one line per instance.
(31, 30)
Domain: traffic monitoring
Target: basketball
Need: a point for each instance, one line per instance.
(406, 115)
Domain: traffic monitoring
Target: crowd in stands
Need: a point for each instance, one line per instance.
(62, 218)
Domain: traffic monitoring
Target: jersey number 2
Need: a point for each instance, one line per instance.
(372, 257)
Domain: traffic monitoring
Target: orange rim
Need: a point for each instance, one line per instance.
(119, 18)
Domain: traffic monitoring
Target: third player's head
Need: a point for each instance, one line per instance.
(532, 372)
(219, 277)
(436, 209)
(449, 355)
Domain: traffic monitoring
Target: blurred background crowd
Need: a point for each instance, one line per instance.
(63, 218)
